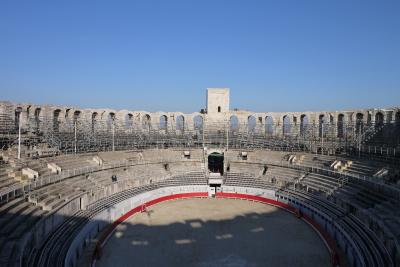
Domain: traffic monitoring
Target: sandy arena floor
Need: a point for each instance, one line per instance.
(214, 232)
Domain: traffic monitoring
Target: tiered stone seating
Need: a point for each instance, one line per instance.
(245, 180)
(350, 199)
(283, 174)
(362, 237)
(320, 182)
(16, 218)
(5, 179)
(70, 162)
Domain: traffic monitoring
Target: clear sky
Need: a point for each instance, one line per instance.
(161, 55)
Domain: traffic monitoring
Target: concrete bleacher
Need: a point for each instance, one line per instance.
(5, 179)
(162, 167)
(362, 237)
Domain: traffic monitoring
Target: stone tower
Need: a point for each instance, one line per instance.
(217, 104)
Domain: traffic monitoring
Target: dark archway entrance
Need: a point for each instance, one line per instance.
(216, 162)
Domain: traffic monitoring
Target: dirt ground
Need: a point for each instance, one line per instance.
(214, 232)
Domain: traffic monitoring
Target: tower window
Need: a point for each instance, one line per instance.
(219, 108)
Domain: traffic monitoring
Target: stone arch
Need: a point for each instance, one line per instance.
(180, 123)
(163, 123)
(286, 125)
(304, 122)
(17, 117)
(94, 119)
(37, 115)
(369, 118)
(128, 121)
(146, 122)
(234, 123)
(67, 113)
(269, 125)
(56, 120)
(77, 115)
(251, 123)
(111, 118)
(322, 122)
(331, 119)
(359, 123)
(28, 111)
(379, 118)
(340, 125)
(198, 122)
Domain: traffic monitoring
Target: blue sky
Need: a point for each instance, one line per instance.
(162, 55)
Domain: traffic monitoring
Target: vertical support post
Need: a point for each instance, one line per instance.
(322, 138)
(204, 123)
(113, 135)
(227, 136)
(75, 136)
(19, 135)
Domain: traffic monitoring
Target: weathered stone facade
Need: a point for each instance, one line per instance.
(218, 112)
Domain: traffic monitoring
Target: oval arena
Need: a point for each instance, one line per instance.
(95, 187)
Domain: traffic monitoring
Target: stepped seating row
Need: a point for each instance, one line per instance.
(385, 217)
(358, 167)
(54, 251)
(16, 218)
(5, 179)
(373, 251)
(371, 207)
(69, 162)
(246, 180)
(244, 167)
(183, 167)
(118, 156)
(55, 195)
(285, 174)
(320, 182)
(358, 194)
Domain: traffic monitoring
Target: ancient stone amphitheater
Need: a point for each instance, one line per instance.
(68, 176)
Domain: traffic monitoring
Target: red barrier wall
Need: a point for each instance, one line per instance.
(330, 243)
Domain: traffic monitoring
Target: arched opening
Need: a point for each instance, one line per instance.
(303, 124)
(94, 121)
(77, 114)
(379, 119)
(369, 118)
(234, 123)
(37, 119)
(269, 125)
(340, 124)
(216, 163)
(56, 121)
(219, 109)
(128, 121)
(359, 123)
(17, 118)
(28, 110)
(286, 129)
(198, 123)
(163, 122)
(67, 113)
(110, 121)
(180, 123)
(251, 123)
(146, 122)
(322, 126)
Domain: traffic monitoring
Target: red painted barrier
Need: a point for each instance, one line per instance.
(330, 242)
